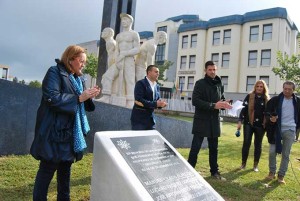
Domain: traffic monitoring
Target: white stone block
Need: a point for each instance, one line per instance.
(142, 166)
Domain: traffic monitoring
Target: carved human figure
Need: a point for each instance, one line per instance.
(112, 72)
(147, 53)
(110, 44)
(127, 46)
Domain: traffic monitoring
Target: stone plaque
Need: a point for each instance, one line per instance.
(163, 174)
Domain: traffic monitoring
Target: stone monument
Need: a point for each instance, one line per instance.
(110, 18)
(143, 165)
(127, 45)
(146, 56)
(109, 81)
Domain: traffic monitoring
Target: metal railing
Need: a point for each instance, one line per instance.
(179, 105)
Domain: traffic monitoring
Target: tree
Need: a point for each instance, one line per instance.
(91, 67)
(35, 84)
(22, 82)
(288, 68)
(15, 80)
(162, 68)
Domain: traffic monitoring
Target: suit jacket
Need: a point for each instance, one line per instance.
(206, 93)
(143, 109)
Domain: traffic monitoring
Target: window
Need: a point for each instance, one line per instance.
(181, 83)
(254, 33)
(194, 41)
(267, 32)
(250, 83)
(265, 58)
(287, 36)
(192, 62)
(215, 58)
(190, 83)
(216, 38)
(252, 58)
(160, 50)
(225, 82)
(160, 53)
(4, 73)
(183, 62)
(227, 36)
(184, 42)
(225, 60)
(164, 28)
(265, 78)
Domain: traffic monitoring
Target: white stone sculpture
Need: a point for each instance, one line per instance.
(109, 77)
(127, 46)
(147, 53)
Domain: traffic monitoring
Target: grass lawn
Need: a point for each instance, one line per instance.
(17, 174)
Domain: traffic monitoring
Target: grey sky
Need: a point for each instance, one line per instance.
(35, 32)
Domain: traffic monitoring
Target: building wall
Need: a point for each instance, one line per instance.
(171, 49)
(233, 48)
(284, 39)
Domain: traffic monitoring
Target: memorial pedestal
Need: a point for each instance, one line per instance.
(143, 165)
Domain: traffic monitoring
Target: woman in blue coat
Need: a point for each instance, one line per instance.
(61, 122)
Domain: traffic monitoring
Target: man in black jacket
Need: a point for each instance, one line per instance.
(282, 115)
(208, 99)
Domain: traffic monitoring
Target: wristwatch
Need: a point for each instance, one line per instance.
(212, 105)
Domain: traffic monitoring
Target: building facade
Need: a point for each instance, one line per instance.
(244, 47)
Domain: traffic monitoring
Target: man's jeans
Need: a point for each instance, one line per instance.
(287, 142)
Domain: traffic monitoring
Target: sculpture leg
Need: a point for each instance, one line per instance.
(107, 81)
(129, 77)
(140, 73)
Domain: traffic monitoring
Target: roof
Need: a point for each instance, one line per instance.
(277, 12)
(146, 34)
(184, 18)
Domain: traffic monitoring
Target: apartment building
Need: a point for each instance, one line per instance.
(243, 46)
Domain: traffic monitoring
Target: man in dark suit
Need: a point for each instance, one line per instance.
(147, 98)
(208, 99)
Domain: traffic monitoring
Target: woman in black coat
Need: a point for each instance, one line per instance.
(61, 123)
(252, 116)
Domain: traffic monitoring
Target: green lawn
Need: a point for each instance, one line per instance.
(17, 174)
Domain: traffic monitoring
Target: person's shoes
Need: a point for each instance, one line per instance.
(281, 179)
(271, 176)
(218, 176)
(255, 168)
(243, 166)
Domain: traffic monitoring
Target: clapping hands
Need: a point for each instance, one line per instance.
(89, 93)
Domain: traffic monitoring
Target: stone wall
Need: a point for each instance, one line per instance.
(18, 108)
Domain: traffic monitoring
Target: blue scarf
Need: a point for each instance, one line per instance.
(81, 125)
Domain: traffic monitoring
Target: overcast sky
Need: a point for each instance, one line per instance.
(35, 32)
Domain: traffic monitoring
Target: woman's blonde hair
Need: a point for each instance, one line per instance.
(266, 89)
(70, 54)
